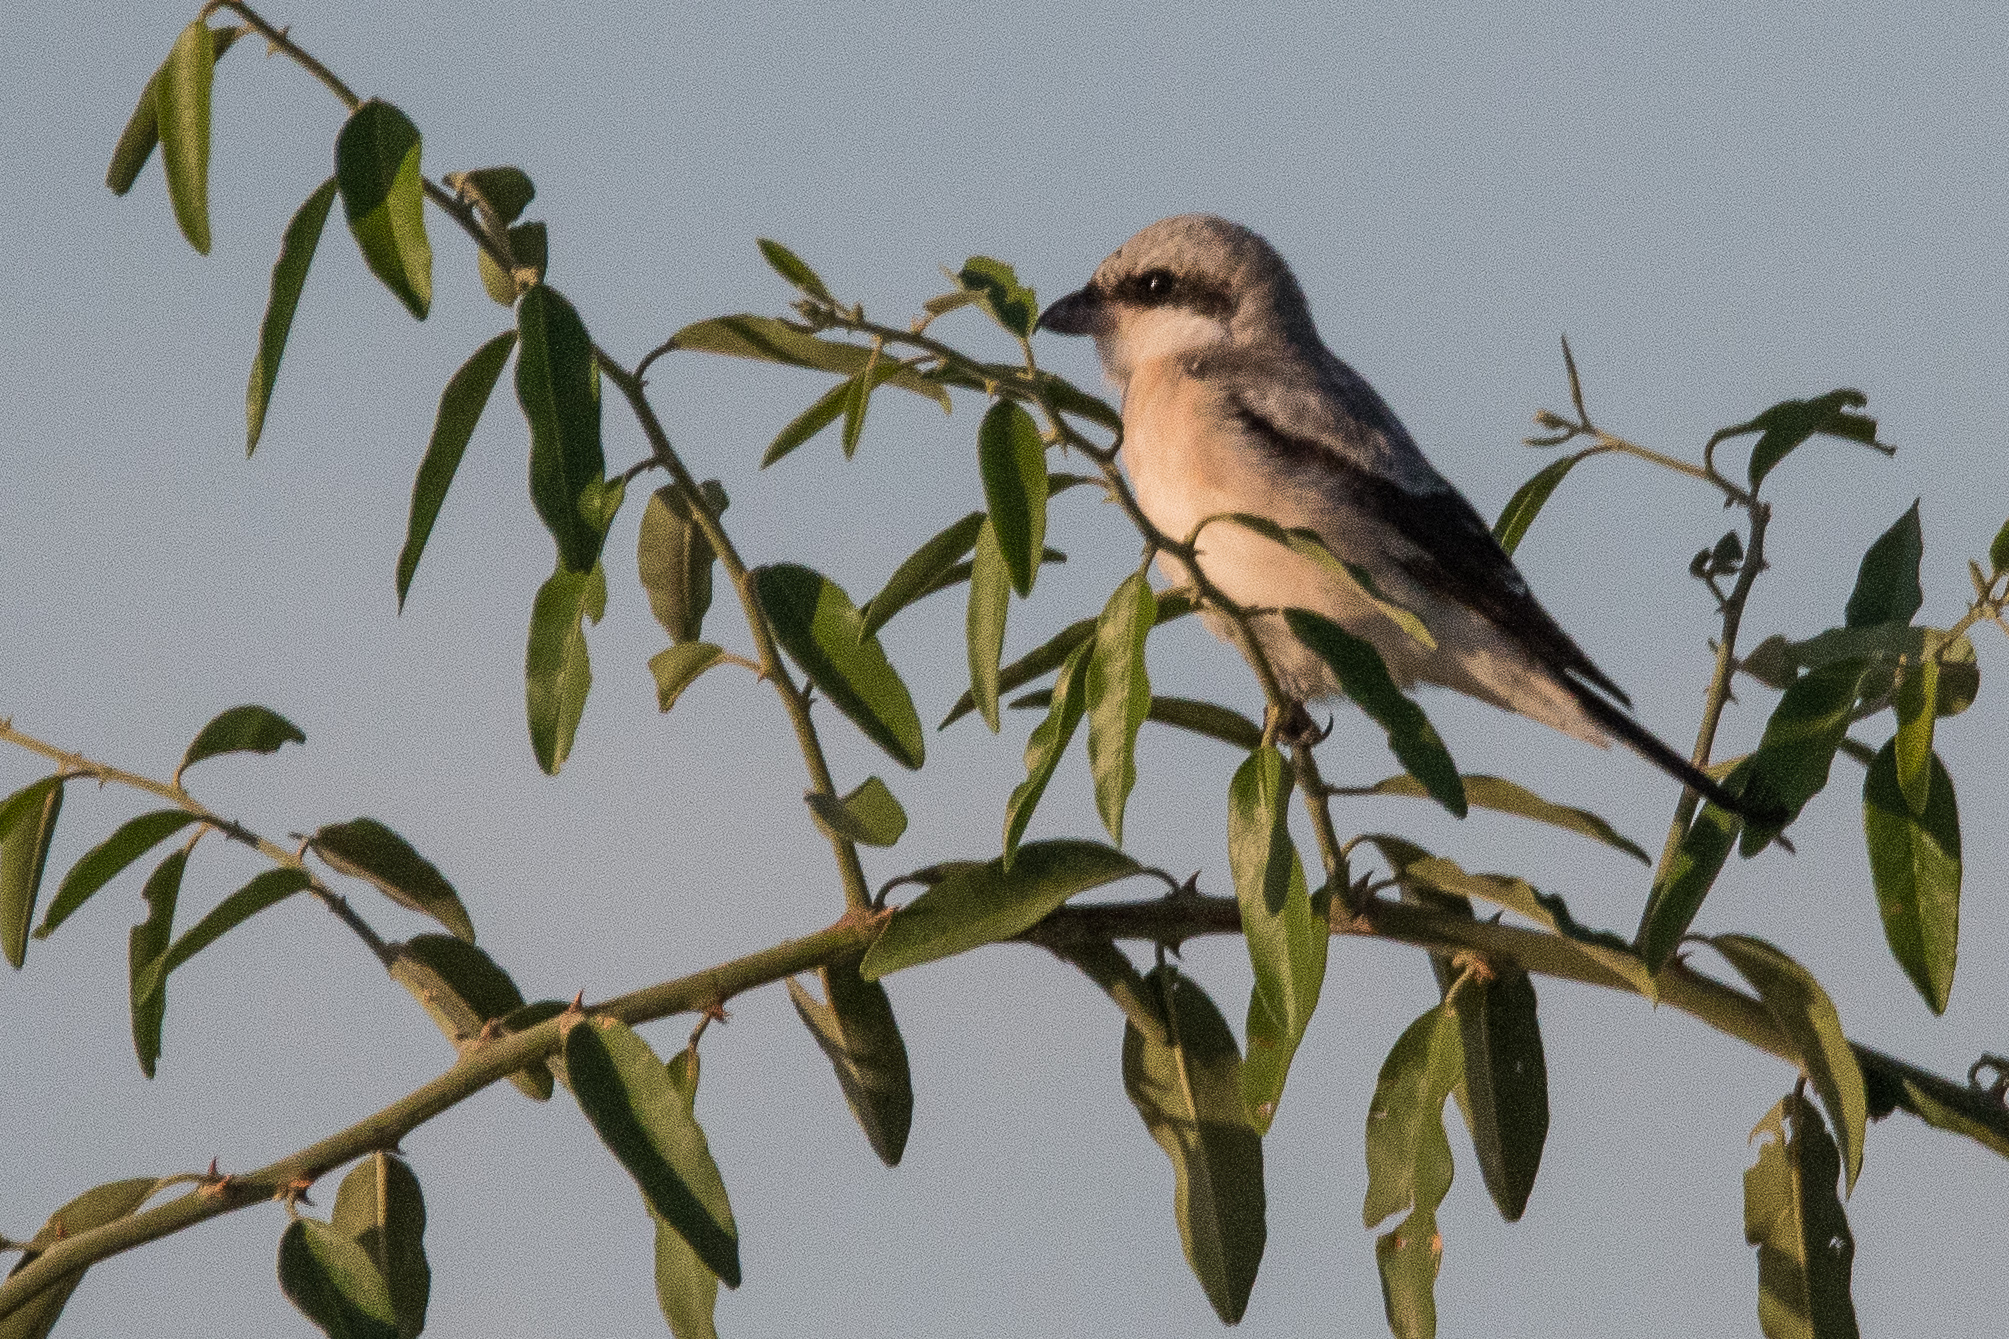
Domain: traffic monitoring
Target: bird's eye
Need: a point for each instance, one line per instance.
(1157, 285)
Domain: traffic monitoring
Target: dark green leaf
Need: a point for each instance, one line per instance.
(1998, 550)
(776, 341)
(289, 276)
(1507, 797)
(984, 626)
(248, 729)
(365, 849)
(678, 668)
(869, 815)
(816, 623)
(108, 859)
(1917, 715)
(1798, 747)
(1052, 653)
(918, 575)
(1805, 1249)
(381, 1209)
(463, 991)
(557, 674)
(1914, 862)
(383, 196)
(460, 406)
(1807, 1017)
(334, 1282)
(1044, 749)
(144, 946)
(647, 1123)
(979, 904)
(1205, 718)
(1990, 1133)
(1959, 675)
(27, 823)
(1787, 424)
(859, 1034)
(1010, 303)
(558, 385)
(504, 192)
(181, 104)
(686, 1289)
(674, 559)
(857, 398)
(1529, 499)
(1887, 589)
(1364, 678)
(1505, 1096)
(1677, 895)
(1286, 937)
(1012, 459)
(1119, 696)
(1187, 1086)
(791, 267)
(95, 1208)
(264, 890)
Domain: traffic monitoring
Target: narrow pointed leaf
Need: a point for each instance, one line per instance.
(108, 859)
(1508, 797)
(1364, 678)
(1677, 895)
(816, 623)
(383, 195)
(247, 729)
(1506, 1086)
(675, 560)
(264, 890)
(996, 284)
(1993, 1136)
(870, 815)
(1887, 589)
(1917, 714)
(648, 1125)
(142, 132)
(1915, 865)
(460, 406)
(679, 667)
(365, 849)
(861, 1038)
(1205, 718)
(181, 103)
(380, 1207)
(825, 410)
(1012, 459)
(289, 276)
(144, 946)
(557, 673)
(334, 1283)
(27, 824)
(923, 568)
(1044, 750)
(1529, 499)
(792, 268)
(984, 627)
(1805, 1249)
(1805, 1014)
(1798, 747)
(1052, 653)
(978, 904)
(1789, 423)
(776, 341)
(97, 1207)
(558, 385)
(463, 990)
(1187, 1087)
(1998, 550)
(1119, 696)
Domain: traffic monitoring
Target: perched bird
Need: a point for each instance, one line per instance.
(1231, 403)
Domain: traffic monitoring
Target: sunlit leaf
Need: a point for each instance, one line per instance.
(380, 1207)
(334, 1283)
(264, 890)
(861, 1038)
(990, 600)
(1529, 499)
(557, 673)
(181, 104)
(857, 399)
(145, 944)
(869, 814)
(1045, 748)
(1787, 424)
(1012, 459)
(1915, 865)
(558, 385)
(792, 268)
(1917, 715)
(1508, 797)
(816, 623)
(679, 667)
(1409, 1166)
(1052, 653)
(1805, 1249)
(108, 859)
(95, 1208)
(1119, 696)
(383, 196)
(365, 849)
(776, 341)
(27, 824)
(530, 252)
(460, 406)
(142, 132)
(918, 575)
(289, 276)
(247, 729)
(1887, 589)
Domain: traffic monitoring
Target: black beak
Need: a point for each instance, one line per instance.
(1078, 313)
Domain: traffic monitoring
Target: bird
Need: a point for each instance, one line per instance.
(1232, 403)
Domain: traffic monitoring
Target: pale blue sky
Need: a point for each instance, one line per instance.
(1722, 205)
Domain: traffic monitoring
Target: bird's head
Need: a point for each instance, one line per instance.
(1181, 287)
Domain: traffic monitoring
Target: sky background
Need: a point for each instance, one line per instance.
(1722, 205)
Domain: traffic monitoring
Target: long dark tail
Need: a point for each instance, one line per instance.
(1648, 746)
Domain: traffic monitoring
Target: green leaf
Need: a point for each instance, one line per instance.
(1364, 678)
(289, 276)
(679, 667)
(264, 890)
(1998, 550)
(686, 1288)
(557, 674)
(859, 1034)
(463, 991)
(1010, 303)
(857, 398)
(382, 1210)
(1943, 1117)
(1044, 749)
(530, 250)
(1807, 1018)
(824, 411)
(27, 823)
(363, 848)
(142, 132)
(1052, 653)
(1798, 747)
(869, 815)
(383, 196)
(1887, 589)
(247, 729)
(1914, 862)
(1012, 459)
(1205, 718)
(792, 268)
(1805, 1249)
(979, 904)
(816, 623)
(460, 406)
(1119, 696)
(95, 1208)
(558, 385)
(1677, 895)
(108, 859)
(334, 1283)
(648, 1125)
(1409, 1166)
(181, 104)
(775, 341)
(1787, 424)
(1286, 936)
(925, 567)
(1917, 714)
(504, 192)
(145, 944)
(674, 559)
(984, 626)
(1186, 1084)
(1529, 499)
(1507, 797)
(1505, 1094)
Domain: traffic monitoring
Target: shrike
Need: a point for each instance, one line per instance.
(1231, 403)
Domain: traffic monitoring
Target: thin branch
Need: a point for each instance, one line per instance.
(284, 45)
